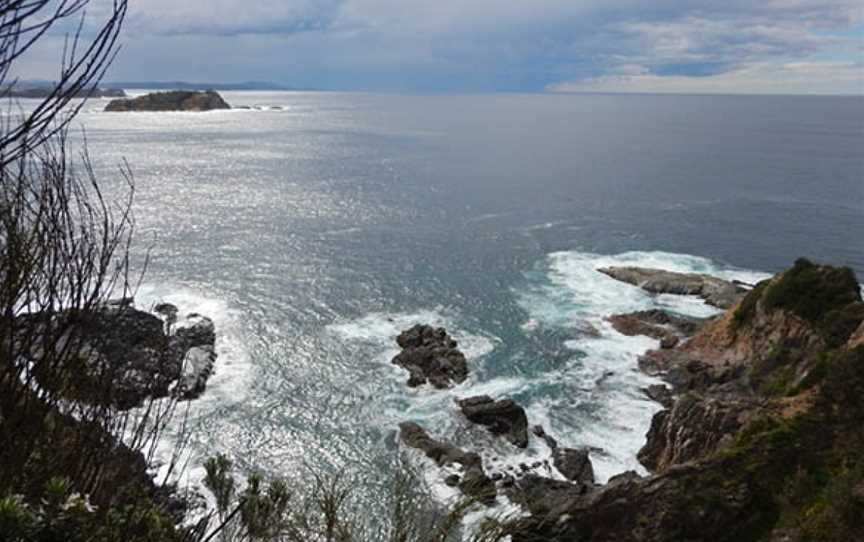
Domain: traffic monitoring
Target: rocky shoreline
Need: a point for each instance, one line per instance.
(731, 382)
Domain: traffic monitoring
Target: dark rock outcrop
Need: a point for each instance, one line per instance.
(668, 328)
(503, 417)
(718, 292)
(474, 482)
(127, 355)
(178, 100)
(574, 464)
(431, 355)
(540, 495)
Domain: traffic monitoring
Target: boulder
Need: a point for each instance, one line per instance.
(717, 292)
(503, 417)
(574, 464)
(177, 100)
(431, 355)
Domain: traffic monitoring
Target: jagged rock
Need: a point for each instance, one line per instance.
(197, 368)
(718, 292)
(431, 355)
(661, 394)
(503, 417)
(692, 429)
(196, 330)
(575, 465)
(540, 495)
(657, 324)
(176, 100)
(474, 482)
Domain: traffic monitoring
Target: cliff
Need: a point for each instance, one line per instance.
(763, 435)
(170, 101)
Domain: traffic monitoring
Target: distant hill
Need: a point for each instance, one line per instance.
(185, 85)
(43, 90)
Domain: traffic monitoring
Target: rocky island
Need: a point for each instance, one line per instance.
(178, 100)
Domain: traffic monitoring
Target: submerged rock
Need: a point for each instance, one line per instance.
(177, 100)
(718, 292)
(431, 355)
(503, 417)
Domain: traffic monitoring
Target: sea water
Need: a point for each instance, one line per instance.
(314, 227)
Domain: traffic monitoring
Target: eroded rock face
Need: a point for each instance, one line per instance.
(431, 355)
(179, 100)
(473, 483)
(692, 429)
(718, 292)
(503, 417)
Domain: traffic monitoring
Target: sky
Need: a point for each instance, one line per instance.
(677, 46)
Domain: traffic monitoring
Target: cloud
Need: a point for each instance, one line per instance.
(481, 44)
(755, 78)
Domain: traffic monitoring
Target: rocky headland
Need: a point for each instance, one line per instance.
(761, 432)
(759, 438)
(178, 100)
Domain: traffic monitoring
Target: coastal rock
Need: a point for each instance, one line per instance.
(431, 355)
(503, 417)
(661, 394)
(126, 355)
(474, 482)
(657, 324)
(575, 465)
(177, 100)
(197, 368)
(718, 292)
(540, 495)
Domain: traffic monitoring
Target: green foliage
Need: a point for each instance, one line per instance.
(828, 297)
(747, 309)
(66, 516)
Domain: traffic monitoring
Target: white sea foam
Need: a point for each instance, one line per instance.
(610, 412)
(229, 383)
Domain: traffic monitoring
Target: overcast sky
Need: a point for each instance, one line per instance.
(717, 46)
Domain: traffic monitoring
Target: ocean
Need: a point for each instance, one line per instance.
(314, 227)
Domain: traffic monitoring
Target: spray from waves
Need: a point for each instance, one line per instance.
(607, 409)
